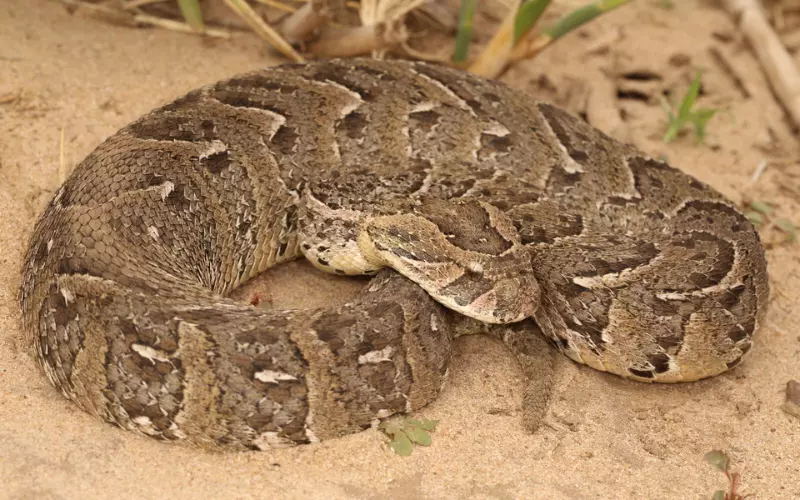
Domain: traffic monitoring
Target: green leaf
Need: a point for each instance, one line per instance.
(190, 9)
(718, 495)
(428, 425)
(755, 218)
(581, 16)
(787, 227)
(718, 459)
(690, 97)
(527, 15)
(675, 126)
(401, 444)
(419, 436)
(761, 207)
(700, 118)
(464, 34)
(703, 114)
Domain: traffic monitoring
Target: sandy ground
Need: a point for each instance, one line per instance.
(607, 438)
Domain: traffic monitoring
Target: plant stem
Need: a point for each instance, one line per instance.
(529, 12)
(464, 34)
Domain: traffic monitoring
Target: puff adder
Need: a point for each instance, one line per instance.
(479, 209)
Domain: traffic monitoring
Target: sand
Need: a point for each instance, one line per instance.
(606, 437)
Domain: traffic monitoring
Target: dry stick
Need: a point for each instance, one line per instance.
(494, 58)
(386, 11)
(753, 86)
(133, 4)
(262, 29)
(533, 45)
(381, 28)
(177, 26)
(762, 166)
(775, 60)
(355, 41)
(743, 84)
(277, 5)
(424, 56)
(128, 18)
(310, 17)
(302, 23)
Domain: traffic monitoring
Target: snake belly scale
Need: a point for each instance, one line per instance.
(478, 210)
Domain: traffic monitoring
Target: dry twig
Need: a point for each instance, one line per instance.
(494, 58)
(776, 61)
(130, 18)
(262, 29)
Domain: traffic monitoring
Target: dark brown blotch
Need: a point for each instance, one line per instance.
(423, 120)
(493, 144)
(177, 198)
(456, 82)
(642, 373)
(169, 127)
(591, 325)
(467, 226)
(564, 126)
(660, 362)
(187, 101)
(285, 139)
(353, 125)
(329, 72)
(333, 329)
(216, 162)
(559, 180)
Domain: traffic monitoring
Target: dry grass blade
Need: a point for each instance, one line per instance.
(356, 41)
(262, 29)
(423, 56)
(373, 12)
(382, 28)
(301, 23)
(129, 18)
(529, 13)
(567, 24)
(494, 58)
(135, 4)
(277, 5)
(169, 24)
(778, 65)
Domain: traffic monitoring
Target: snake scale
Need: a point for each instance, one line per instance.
(477, 208)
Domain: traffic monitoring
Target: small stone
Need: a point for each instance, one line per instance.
(792, 404)
(793, 392)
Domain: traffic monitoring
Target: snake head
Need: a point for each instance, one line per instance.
(466, 254)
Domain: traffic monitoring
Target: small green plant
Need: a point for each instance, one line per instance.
(464, 33)
(407, 432)
(686, 115)
(517, 30)
(720, 461)
(759, 213)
